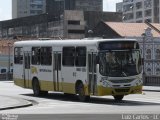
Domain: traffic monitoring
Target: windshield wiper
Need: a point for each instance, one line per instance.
(124, 74)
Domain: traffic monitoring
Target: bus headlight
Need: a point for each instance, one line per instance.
(138, 82)
(105, 82)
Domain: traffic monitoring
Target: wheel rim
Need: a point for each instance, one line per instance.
(36, 88)
(81, 93)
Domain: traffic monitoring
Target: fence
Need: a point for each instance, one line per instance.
(5, 76)
(152, 81)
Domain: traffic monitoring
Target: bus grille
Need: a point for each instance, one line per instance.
(122, 81)
(121, 90)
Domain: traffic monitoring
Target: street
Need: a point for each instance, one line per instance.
(57, 103)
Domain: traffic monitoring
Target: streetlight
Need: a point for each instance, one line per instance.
(9, 60)
(143, 36)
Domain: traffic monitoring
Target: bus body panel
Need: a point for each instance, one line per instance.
(58, 77)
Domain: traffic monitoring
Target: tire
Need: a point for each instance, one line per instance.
(118, 97)
(36, 89)
(81, 93)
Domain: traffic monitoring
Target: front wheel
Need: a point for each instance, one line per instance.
(118, 97)
(81, 93)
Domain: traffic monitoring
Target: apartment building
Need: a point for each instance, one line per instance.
(23, 8)
(141, 10)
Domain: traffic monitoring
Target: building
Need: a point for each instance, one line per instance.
(23, 8)
(148, 39)
(58, 6)
(141, 10)
(119, 7)
(70, 24)
(85, 5)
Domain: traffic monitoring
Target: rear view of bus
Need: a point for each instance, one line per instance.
(120, 68)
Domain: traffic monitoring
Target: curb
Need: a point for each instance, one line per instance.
(23, 103)
(151, 90)
(13, 107)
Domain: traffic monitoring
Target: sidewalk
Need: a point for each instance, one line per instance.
(151, 88)
(7, 102)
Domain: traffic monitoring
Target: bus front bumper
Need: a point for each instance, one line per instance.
(119, 91)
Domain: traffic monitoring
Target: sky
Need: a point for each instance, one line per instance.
(6, 6)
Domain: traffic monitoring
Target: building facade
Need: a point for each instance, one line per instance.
(71, 24)
(23, 8)
(141, 10)
(148, 39)
(119, 7)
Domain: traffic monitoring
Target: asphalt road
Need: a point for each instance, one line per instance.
(69, 108)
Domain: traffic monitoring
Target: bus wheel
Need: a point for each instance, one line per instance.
(36, 88)
(118, 97)
(81, 93)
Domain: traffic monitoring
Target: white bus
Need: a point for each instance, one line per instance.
(81, 67)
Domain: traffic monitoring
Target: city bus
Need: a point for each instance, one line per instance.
(85, 67)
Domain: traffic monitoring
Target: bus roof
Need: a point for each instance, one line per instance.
(69, 42)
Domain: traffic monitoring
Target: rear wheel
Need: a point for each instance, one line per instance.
(118, 97)
(36, 89)
(81, 93)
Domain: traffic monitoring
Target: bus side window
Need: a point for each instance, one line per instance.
(18, 55)
(36, 55)
(46, 55)
(81, 56)
(68, 56)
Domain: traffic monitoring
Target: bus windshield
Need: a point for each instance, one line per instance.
(120, 63)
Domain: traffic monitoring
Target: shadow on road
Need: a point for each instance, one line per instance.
(94, 100)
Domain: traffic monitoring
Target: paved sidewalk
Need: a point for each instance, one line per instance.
(7, 102)
(151, 88)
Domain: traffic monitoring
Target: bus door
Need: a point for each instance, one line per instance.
(57, 80)
(92, 77)
(26, 65)
(68, 69)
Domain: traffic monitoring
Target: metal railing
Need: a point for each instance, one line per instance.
(152, 81)
(5, 76)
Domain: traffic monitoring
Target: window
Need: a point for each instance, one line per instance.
(74, 56)
(3, 70)
(73, 22)
(128, 7)
(157, 71)
(149, 72)
(148, 56)
(139, 5)
(68, 56)
(147, 4)
(36, 55)
(148, 13)
(80, 56)
(139, 14)
(76, 31)
(57, 57)
(46, 55)
(157, 54)
(18, 55)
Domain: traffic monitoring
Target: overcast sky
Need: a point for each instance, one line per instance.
(6, 13)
